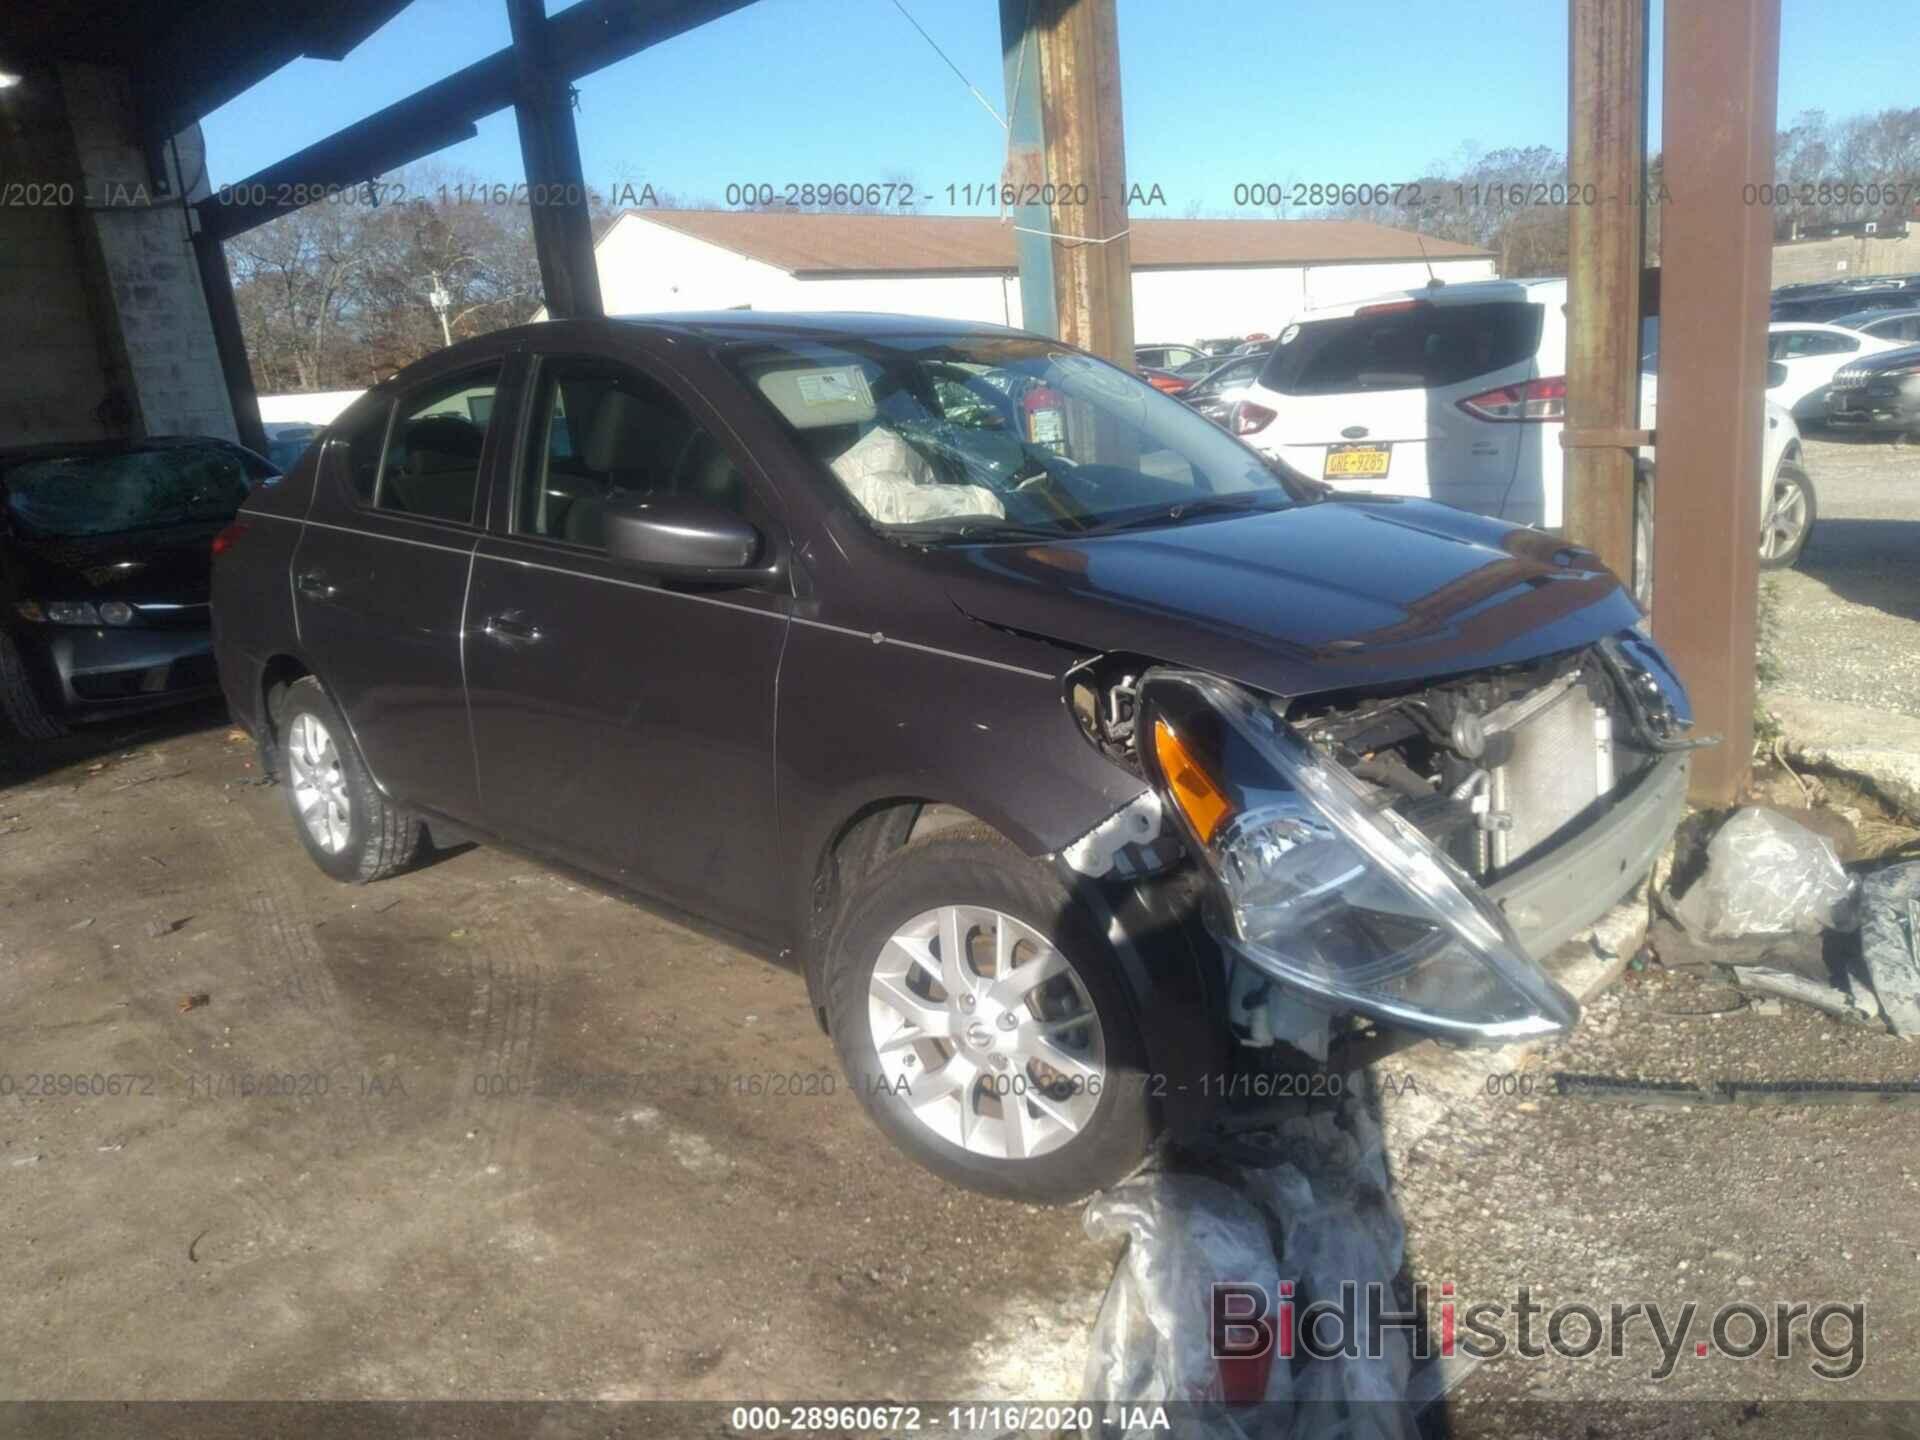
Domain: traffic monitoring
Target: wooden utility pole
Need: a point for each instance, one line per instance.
(1606, 153)
(1067, 172)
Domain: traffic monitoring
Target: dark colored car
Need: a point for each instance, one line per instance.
(1216, 393)
(1829, 303)
(1080, 757)
(1878, 392)
(104, 567)
(286, 443)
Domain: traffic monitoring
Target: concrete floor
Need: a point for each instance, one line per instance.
(633, 1218)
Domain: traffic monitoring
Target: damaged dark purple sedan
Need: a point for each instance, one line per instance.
(1077, 754)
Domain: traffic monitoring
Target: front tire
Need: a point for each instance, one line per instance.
(982, 1020)
(1789, 519)
(351, 830)
(20, 703)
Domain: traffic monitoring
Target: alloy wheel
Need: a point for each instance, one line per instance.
(319, 784)
(986, 1032)
(1786, 520)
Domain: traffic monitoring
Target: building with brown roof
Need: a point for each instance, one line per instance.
(1191, 278)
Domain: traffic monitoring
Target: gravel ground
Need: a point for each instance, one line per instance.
(1846, 614)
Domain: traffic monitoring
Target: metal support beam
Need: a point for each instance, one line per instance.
(556, 188)
(1072, 47)
(580, 40)
(1721, 96)
(1606, 150)
(216, 281)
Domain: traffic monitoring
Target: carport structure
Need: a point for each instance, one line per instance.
(178, 60)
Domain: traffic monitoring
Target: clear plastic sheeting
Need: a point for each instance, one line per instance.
(1321, 1221)
(1768, 875)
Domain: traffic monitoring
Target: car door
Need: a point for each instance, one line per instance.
(380, 576)
(620, 720)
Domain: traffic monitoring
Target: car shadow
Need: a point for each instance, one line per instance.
(1867, 562)
(23, 761)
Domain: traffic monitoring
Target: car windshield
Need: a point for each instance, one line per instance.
(939, 437)
(77, 495)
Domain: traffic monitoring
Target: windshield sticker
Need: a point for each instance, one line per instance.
(845, 386)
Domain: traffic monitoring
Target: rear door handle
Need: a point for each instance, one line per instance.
(314, 586)
(511, 626)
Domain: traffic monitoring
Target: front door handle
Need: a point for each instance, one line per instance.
(511, 626)
(314, 586)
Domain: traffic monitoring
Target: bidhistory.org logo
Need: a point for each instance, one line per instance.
(1249, 1326)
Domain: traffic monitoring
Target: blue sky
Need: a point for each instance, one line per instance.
(1216, 92)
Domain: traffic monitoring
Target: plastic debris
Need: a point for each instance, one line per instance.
(1768, 875)
(1787, 986)
(1890, 943)
(1320, 1222)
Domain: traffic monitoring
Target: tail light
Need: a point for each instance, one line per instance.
(1167, 384)
(1544, 399)
(229, 537)
(1249, 417)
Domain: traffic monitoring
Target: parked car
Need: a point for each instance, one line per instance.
(1216, 393)
(287, 442)
(1808, 355)
(1901, 327)
(1830, 302)
(1165, 357)
(1071, 749)
(1454, 393)
(1878, 392)
(104, 573)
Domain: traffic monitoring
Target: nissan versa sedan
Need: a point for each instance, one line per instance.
(1077, 754)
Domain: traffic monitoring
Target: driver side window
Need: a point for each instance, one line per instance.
(601, 434)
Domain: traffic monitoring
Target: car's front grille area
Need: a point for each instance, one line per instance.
(1561, 762)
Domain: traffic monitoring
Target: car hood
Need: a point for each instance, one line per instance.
(1900, 359)
(173, 564)
(1339, 593)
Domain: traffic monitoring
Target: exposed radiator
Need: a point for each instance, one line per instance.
(1562, 762)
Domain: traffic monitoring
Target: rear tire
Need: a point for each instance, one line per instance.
(1789, 519)
(351, 830)
(1033, 1092)
(20, 703)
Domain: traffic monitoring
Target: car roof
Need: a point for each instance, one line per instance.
(1545, 290)
(1870, 317)
(1823, 325)
(773, 325)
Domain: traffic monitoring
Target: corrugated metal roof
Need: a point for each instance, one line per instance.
(820, 243)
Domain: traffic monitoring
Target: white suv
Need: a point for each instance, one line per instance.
(1458, 393)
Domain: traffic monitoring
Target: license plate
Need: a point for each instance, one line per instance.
(1357, 462)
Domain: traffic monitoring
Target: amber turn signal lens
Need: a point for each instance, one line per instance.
(1193, 789)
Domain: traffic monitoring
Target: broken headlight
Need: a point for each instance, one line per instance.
(1321, 887)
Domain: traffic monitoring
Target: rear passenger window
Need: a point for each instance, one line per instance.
(431, 467)
(1414, 346)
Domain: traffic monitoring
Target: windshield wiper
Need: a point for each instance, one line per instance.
(975, 530)
(1193, 509)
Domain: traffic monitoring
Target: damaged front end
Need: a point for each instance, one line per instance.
(1409, 857)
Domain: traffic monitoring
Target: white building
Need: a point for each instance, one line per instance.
(1192, 279)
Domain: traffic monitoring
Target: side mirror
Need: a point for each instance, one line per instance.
(1776, 374)
(684, 537)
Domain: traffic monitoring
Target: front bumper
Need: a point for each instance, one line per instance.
(1878, 405)
(1572, 885)
(101, 671)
